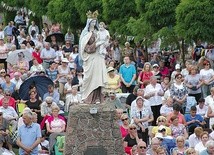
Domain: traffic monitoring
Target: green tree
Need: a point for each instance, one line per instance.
(195, 20)
(64, 11)
(39, 7)
(117, 13)
(83, 6)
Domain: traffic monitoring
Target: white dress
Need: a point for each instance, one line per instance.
(95, 73)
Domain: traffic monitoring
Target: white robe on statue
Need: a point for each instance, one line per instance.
(95, 74)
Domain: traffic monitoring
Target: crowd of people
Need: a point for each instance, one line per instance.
(168, 108)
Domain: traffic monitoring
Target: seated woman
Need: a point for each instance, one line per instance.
(180, 149)
(114, 82)
(68, 86)
(202, 145)
(36, 68)
(161, 151)
(131, 139)
(177, 128)
(55, 126)
(125, 126)
(8, 85)
(73, 98)
(22, 64)
(46, 106)
(191, 151)
(161, 120)
(176, 112)
(5, 134)
(34, 104)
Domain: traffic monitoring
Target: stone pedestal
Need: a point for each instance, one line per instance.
(92, 134)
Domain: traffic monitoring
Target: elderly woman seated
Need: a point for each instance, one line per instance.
(73, 99)
(46, 106)
(55, 126)
(161, 121)
(5, 134)
(132, 138)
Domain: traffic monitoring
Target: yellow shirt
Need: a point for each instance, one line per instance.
(155, 130)
(113, 83)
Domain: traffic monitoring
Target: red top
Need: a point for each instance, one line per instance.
(123, 131)
(36, 56)
(12, 102)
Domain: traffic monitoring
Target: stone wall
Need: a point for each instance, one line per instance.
(92, 132)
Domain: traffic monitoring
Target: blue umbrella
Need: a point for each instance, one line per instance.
(40, 82)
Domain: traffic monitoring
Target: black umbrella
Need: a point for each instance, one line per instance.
(59, 37)
(40, 82)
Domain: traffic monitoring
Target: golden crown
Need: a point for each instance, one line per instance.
(92, 15)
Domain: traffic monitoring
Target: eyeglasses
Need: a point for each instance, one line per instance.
(125, 119)
(142, 147)
(7, 94)
(179, 77)
(206, 64)
(132, 128)
(3, 72)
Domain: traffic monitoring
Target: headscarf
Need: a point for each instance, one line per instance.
(84, 37)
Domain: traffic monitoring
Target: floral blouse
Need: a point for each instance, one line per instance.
(179, 91)
(145, 111)
(177, 130)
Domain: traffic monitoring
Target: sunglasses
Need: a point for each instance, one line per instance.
(132, 128)
(2, 72)
(206, 64)
(163, 130)
(125, 119)
(142, 147)
(161, 121)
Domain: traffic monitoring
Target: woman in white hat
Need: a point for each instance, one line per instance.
(63, 71)
(114, 82)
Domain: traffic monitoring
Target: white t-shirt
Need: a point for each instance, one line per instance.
(72, 57)
(207, 74)
(56, 125)
(67, 87)
(154, 100)
(200, 147)
(59, 55)
(203, 111)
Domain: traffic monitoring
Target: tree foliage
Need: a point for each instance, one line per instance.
(85, 5)
(64, 11)
(147, 20)
(117, 13)
(195, 20)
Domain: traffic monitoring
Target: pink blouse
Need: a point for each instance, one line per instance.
(123, 131)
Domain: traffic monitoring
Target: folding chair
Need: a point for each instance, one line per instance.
(20, 107)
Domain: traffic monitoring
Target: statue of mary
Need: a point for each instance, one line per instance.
(95, 74)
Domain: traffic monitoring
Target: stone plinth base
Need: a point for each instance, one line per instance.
(92, 134)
